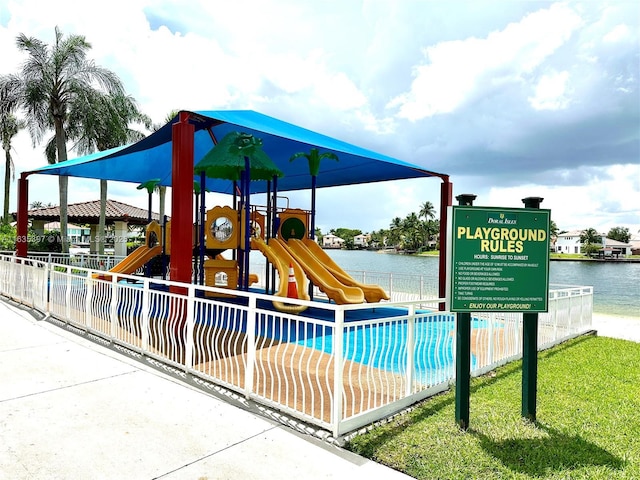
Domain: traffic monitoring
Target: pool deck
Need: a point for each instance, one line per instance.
(71, 408)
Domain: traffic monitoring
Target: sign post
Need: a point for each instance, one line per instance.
(499, 262)
(463, 351)
(530, 347)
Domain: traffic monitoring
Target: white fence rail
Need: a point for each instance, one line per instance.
(337, 367)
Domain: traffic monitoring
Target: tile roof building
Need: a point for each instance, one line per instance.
(118, 214)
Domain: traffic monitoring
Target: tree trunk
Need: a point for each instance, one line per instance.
(101, 222)
(7, 180)
(63, 182)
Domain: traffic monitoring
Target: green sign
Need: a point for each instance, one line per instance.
(499, 260)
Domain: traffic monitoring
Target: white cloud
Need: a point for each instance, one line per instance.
(618, 33)
(470, 77)
(550, 93)
(610, 199)
(456, 69)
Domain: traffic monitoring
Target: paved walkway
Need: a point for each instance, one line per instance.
(625, 328)
(73, 409)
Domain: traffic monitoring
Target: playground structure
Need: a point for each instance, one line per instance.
(283, 236)
(291, 248)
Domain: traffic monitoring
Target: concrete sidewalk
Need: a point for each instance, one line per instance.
(73, 409)
(615, 326)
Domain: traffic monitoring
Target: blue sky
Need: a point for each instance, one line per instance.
(511, 99)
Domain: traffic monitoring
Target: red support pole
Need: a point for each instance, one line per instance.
(23, 216)
(182, 200)
(446, 199)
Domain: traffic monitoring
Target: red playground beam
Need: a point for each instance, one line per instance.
(182, 200)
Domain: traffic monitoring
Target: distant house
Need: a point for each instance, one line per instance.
(332, 241)
(635, 244)
(569, 242)
(362, 240)
(614, 247)
(75, 233)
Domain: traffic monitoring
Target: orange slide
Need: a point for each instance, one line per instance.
(372, 293)
(320, 276)
(133, 261)
(281, 259)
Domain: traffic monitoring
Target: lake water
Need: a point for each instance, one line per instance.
(616, 286)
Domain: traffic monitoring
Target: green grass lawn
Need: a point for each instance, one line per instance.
(588, 426)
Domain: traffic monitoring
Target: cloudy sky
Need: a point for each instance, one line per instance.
(511, 99)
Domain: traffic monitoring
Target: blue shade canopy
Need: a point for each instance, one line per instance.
(151, 156)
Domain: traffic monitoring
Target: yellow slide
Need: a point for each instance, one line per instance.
(372, 293)
(281, 259)
(320, 276)
(133, 261)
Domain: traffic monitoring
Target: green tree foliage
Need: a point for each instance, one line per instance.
(591, 241)
(346, 233)
(621, 234)
(56, 80)
(9, 128)
(7, 237)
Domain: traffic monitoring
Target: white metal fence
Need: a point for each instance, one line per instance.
(339, 367)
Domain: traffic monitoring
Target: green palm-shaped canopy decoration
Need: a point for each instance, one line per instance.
(149, 185)
(314, 157)
(226, 160)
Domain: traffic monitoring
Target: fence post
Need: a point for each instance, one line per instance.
(251, 346)
(338, 341)
(411, 326)
(114, 306)
(88, 300)
(191, 305)
(492, 338)
(67, 296)
(144, 327)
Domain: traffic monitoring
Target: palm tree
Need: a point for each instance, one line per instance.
(427, 211)
(395, 231)
(54, 81)
(589, 239)
(105, 124)
(314, 157)
(9, 128)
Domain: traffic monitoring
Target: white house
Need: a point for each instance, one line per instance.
(75, 233)
(362, 240)
(614, 247)
(568, 242)
(331, 241)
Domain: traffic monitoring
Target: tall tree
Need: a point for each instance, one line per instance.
(590, 239)
(9, 128)
(427, 211)
(55, 80)
(621, 234)
(107, 122)
(395, 231)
